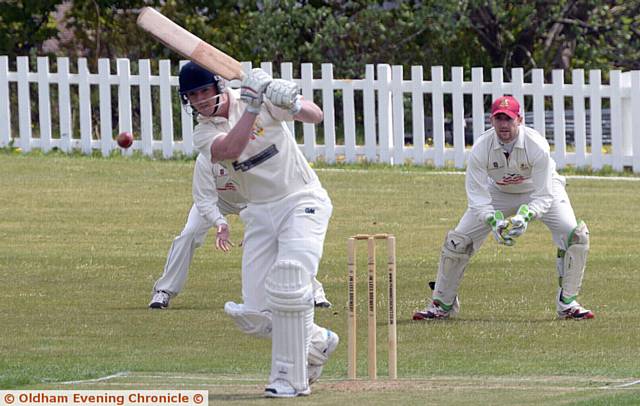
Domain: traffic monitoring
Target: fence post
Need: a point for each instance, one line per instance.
(166, 110)
(84, 96)
(5, 110)
(369, 107)
(44, 103)
(64, 104)
(124, 100)
(579, 122)
(417, 111)
(437, 111)
(24, 103)
(595, 108)
(328, 124)
(559, 137)
(457, 77)
(397, 101)
(349, 122)
(186, 124)
(104, 86)
(477, 102)
(385, 119)
(617, 140)
(146, 115)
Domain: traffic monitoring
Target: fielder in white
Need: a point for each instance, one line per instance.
(511, 173)
(215, 197)
(286, 218)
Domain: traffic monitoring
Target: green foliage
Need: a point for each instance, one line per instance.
(26, 25)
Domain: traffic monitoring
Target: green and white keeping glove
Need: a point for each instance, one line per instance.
(498, 226)
(520, 221)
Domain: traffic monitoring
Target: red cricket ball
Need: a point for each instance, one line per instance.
(125, 139)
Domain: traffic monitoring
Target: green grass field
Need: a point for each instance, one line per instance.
(83, 239)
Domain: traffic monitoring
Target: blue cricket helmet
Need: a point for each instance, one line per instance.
(193, 76)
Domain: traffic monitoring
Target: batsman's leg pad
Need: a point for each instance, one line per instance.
(455, 255)
(290, 299)
(572, 262)
(252, 322)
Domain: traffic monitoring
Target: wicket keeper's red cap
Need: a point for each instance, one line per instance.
(506, 105)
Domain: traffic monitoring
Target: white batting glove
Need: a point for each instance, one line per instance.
(520, 221)
(252, 89)
(498, 226)
(284, 94)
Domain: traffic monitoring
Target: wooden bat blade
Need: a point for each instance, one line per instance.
(188, 45)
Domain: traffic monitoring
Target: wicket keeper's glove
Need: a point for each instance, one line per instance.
(498, 226)
(520, 221)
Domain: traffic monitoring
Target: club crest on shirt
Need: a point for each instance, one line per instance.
(257, 131)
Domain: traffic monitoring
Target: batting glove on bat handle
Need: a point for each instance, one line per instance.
(520, 221)
(252, 88)
(284, 94)
(499, 225)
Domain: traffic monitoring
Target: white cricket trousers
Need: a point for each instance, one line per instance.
(560, 219)
(293, 228)
(181, 253)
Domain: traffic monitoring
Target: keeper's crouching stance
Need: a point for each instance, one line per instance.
(285, 220)
(510, 175)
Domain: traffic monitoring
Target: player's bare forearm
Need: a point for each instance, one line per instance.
(231, 145)
(309, 113)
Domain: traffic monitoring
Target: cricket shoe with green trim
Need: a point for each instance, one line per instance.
(572, 310)
(438, 310)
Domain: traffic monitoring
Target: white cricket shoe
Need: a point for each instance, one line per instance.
(319, 355)
(283, 389)
(159, 300)
(572, 310)
(320, 299)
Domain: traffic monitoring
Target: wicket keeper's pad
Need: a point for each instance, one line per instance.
(290, 299)
(575, 260)
(456, 251)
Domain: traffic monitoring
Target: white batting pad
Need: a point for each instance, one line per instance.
(252, 322)
(290, 299)
(456, 251)
(575, 260)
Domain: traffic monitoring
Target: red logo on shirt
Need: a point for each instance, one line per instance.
(511, 179)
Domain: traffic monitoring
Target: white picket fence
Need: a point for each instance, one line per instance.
(389, 115)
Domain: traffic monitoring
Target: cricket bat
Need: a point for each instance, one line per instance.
(188, 45)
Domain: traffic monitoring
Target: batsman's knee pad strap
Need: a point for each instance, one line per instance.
(456, 251)
(574, 260)
(252, 322)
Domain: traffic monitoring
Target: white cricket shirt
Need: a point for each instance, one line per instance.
(214, 194)
(271, 166)
(529, 168)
